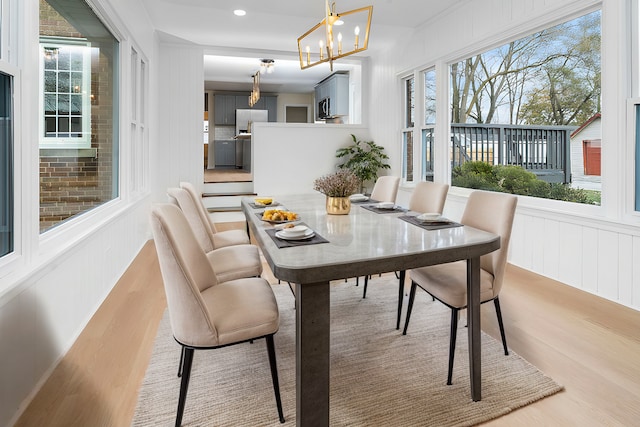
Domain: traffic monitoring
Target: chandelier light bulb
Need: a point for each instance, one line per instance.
(356, 31)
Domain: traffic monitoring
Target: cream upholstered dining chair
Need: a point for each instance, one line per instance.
(204, 312)
(488, 211)
(229, 262)
(427, 197)
(219, 239)
(385, 189)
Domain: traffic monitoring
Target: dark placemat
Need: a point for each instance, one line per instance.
(373, 208)
(430, 225)
(280, 243)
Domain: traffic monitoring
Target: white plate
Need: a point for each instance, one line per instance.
(358, 198)
(429, 217)
(257, 203)
(386, 205)
(307, 235)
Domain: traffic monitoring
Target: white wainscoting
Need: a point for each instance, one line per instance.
(596, 255)
(56, 301)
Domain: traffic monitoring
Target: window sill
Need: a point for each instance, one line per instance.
(69, 152)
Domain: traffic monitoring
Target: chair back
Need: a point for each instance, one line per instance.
(186, 272)
(202, 211)
(386, 189)
(492, 212)
(428, 197)
(191, 212)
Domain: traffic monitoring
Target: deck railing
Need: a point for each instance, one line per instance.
(543, 150)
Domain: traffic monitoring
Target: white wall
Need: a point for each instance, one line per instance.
(178, 148)
(288, 157)
(590, 248)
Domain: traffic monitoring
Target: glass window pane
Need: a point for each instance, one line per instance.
(6, 166)
(526, 115)
(407, 156)
(637, 157)
(427, 154)
(83, 174)
(409, 103)
(430, 97)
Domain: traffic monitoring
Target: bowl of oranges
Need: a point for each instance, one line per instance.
(279, 215)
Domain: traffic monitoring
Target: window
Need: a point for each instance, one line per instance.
(525, 117)
(6, 165)
(65, 103)
(407, 132)
(79, 148)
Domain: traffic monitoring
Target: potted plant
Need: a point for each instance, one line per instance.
(337, 186)
(364, 159)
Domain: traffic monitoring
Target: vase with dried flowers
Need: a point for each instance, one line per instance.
(337, 186)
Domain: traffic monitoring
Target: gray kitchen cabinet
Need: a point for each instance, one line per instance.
(224, 109)
(335, 88)
(271, 105)
(242, 103)
(225, 153)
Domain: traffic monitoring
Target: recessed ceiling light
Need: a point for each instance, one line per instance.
(239, 12)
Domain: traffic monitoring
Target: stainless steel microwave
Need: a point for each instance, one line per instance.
(324, 108)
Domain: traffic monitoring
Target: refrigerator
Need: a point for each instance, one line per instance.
(244, 120)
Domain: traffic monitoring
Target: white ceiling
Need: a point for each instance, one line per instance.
(234, 45)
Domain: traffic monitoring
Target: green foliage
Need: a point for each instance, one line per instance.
(516, 180)
(364, 159)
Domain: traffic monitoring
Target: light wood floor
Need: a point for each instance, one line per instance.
(589, 345)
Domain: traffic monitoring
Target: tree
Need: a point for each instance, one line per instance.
(550, 77)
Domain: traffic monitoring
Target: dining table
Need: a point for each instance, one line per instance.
(363, 242)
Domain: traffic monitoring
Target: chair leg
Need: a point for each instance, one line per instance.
(274, 374)
(412, 295)
(501, 325)
(184, 384)
(181, 360)
(401, 276)
(452, 342)
(357, 281)
(366, 282)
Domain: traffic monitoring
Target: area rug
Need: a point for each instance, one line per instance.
(378, 376)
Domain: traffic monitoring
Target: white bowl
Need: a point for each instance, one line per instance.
(297, 230)
(386, 205)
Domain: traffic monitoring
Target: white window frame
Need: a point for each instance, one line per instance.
(83, 141)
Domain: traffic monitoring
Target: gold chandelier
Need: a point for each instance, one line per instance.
(255, 91)
(318, 44)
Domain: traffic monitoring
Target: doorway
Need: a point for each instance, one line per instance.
(296, 114)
